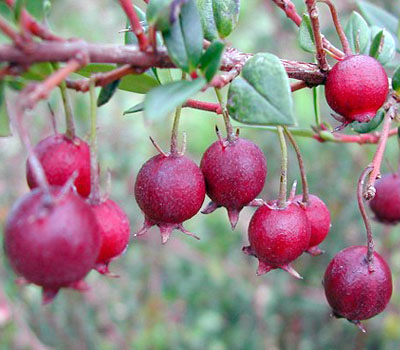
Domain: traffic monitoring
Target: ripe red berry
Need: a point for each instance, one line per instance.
(60, 157)
(169, 190)
(234, 173)
(114, 231)
(352, 290)
(52, 244)
(277, 237)
(356, 88)
(386, 203)
(320, 221)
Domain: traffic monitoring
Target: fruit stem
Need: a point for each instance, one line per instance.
(338, 26)
(94, 197)
(174, 134)
(304, 182)
(316, 105)
(284, 165)
(229, 128)
(370, 241)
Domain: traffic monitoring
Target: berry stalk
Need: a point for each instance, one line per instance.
(69, 118)
(370, 241)
(284, 165)
(304, 182)
(174, 134)
(229, 128)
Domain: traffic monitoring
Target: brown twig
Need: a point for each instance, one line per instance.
(314, 17)
(135, 24)
(204, 106)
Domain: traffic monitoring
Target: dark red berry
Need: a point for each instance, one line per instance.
(52, 244)
(169, 190)
(386, 203)
(60, 157)
(352, 290)
(320, 221)
(278, 236)
(234, 173)
(356, 88)
(114, 229)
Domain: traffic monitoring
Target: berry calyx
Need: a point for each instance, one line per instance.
(352, 290)
(60, 158)
(386, 203)
(278, 236)
(52, 244)
(235, 174)
(169, 190)
(114, 229)
(320, 220)
(356, 88)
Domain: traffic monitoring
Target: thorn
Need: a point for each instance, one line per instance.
(288, 268)
(211, 206)
(292, 191)
(233, 215)
(263, 268)
(186, 232)
(103, 269)
(315, 251)
(68, 185)
(158, 148)
(359, 325)
(48, 295)
(220, 139)
(340, 127)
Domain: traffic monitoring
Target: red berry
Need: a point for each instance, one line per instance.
(114, 230)
(386, 203)
(356, 88)
(352, 290)
(277, 237)
(234, 173)
(60, 157)
(54, 244)
(169, 190)
(320, 221)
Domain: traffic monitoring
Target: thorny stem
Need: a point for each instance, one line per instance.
(370, 241)
(338, 26)
(174, 134)
(380, 149)
(304, 182)
(135, 24)
(284, 165)
(229, 129)
(69, 118)
(95, 197)
(314, 17)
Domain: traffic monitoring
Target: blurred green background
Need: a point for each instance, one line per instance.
(197, 294)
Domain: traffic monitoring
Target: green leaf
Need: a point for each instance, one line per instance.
(164, 75)
(211, 59)
(363, 128)
(19, 5)
(4, 118)
(129, 37)
(162, 14)
(358, 33)
(162, 100)
(396, 80)
(136, 108)
(305, 35)
(39, 71)
(139, 83)
(107, 92)
(218, 17)
(262, 95)
(184, 40)
(384, 51)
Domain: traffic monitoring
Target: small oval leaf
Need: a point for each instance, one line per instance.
(383, 45)
(358, 33)
(210, 61)
(107, 92)
(262, 95)
(305, 35)
(162, 100)
(396, 80)
(363, 128)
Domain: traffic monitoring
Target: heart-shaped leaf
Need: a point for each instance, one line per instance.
(305, 35)
(262, 95)
(162, 100)
(358, 33)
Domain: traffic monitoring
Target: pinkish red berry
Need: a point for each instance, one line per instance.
(234, 173)
(386, 203)
(352, 290)
(278, 236)
(114, 229)
(320, 221)
(169, 190)
(52, 244)
(356, 88)
(60, 157)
